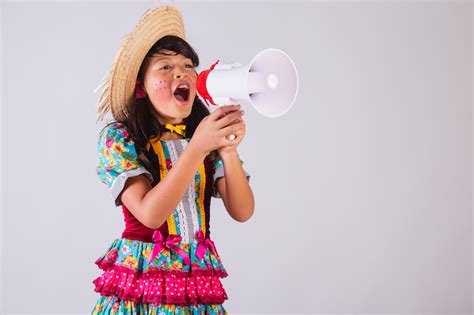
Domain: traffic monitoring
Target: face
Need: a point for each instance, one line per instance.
(170, 84)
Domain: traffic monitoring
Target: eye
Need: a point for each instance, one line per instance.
(166, 67)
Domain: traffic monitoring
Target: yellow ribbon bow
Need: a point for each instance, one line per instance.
(179, 129)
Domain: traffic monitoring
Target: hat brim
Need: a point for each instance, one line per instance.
(118, 91)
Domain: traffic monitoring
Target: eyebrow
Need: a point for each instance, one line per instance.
(158, 57)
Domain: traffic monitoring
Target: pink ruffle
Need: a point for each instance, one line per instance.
(106, 265)
(160, 286)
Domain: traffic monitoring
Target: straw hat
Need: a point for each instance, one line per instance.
(118, 87)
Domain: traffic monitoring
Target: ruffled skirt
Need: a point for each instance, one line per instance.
(130, 284)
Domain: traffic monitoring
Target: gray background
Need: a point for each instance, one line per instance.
(363, 190)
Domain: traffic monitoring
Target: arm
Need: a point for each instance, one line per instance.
(234, 188)
(153, 206)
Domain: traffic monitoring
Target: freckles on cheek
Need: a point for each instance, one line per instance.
(161, 88)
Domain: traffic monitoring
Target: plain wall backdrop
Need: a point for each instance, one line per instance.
(363, 189)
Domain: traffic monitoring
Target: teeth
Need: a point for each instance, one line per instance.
(183, 86)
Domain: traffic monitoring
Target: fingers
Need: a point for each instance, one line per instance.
(223, 110)
(229, 119)
(236, 129)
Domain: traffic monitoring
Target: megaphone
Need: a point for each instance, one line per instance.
(269, 83)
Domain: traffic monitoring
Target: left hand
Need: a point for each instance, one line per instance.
(239, 136)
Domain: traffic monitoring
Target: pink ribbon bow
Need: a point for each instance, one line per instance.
(203, 245)
(171, 242)
(139, 92)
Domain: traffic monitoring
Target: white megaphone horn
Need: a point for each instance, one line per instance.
(269, 83)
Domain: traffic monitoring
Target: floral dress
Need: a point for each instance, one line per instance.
(171, 270)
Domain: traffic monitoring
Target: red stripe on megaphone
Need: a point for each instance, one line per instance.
(201, 84)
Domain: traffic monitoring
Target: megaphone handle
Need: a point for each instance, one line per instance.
(231, 101)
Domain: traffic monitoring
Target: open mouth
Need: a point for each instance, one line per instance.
(182, 93)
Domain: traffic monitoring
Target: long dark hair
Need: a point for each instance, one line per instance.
(141, 122)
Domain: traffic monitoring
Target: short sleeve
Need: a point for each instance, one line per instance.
(118, 159)
(218, 167)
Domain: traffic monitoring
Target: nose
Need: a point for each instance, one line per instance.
(179, 73)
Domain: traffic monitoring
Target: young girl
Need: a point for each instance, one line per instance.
(163, 158)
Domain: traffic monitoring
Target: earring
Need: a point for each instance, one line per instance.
(139, 92)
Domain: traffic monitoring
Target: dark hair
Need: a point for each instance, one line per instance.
(142, 124)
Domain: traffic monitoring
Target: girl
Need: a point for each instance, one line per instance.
(163, 157)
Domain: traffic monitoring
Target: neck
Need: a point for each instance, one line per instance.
(174, 123)
(167, 135)
(163, 120)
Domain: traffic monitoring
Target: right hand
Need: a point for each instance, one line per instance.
(212, 132)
